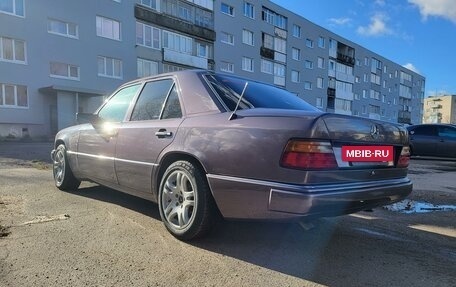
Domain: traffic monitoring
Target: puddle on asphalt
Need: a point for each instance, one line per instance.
(411, 206)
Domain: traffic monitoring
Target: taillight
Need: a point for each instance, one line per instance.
(404, 158)
(302, 154)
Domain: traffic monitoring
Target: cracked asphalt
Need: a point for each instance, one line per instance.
(100, 237)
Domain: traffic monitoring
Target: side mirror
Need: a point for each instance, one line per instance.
(84, 118)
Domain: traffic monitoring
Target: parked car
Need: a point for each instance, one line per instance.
(203, 144)
(437, 140)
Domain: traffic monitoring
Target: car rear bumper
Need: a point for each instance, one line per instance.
(240, 198)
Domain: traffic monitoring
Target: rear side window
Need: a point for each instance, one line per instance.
(158, 99)
(257, 95)
(424, 131)
(116, 108)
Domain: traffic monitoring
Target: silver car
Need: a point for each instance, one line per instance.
(203, 144)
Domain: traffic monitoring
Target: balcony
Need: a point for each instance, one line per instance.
(345, 59)
(267, 53)
(173, 23)
(331, 92)
(184, 59)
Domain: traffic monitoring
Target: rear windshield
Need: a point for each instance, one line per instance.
(256, 95)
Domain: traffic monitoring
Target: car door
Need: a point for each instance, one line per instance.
(423, 140)
(447, 141)
(97, 140)
(153, 125)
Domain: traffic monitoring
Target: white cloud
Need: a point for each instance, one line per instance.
(380, 2)
(377, 26)
(437, 8)
(340, 21)
(411, 67)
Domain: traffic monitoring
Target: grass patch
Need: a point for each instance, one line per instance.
(41, 165)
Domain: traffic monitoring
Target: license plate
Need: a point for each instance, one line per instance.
(367, 153)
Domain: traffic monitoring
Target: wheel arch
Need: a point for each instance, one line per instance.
(168, 159)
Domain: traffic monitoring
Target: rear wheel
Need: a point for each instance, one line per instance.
(63, 176)
(185, 201)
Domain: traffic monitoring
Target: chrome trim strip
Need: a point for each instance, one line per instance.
(314, 188)
(112, 158)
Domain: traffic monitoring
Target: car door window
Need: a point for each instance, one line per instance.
(158, 98)
(424, 131)
(447, 132)
(116, 108)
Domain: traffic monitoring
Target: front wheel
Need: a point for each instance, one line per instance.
(185, 201)
(63, 176)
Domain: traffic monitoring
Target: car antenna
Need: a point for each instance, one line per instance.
(233, 114)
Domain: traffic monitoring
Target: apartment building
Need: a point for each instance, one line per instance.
(62, 57)
(440, 109)
(264, 41)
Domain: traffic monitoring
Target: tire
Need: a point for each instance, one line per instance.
(64, 178)
(185, 201)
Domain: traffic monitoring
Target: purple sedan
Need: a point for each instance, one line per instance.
(203, 144)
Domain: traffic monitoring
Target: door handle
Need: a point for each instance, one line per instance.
(162, 133)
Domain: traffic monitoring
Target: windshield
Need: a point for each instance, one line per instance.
(257, 95)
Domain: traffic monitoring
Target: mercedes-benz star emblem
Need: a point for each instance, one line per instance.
(375, 132)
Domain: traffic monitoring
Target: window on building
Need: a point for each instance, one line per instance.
(364, 94)
(108, 28)
(247, 64)
(226, 67)
(405, 76)
(375, 94)
(227, 38)
(274, 18)
(356, 96)
(62, 70)
(267, 66)
(307, 85)
(376, 64)
(12, 50)
(154, 4)
(321, 42)
(344, 86)
(227, 9)
(320, 83)
(296, 31)
(373, 109)
(177, 42)
(295, 76)
(146, 68)
(204, 50)
(375, 79)
(147, 36)
(296, 54)
(280, 45)
(12, 7)
(109, 67)
(268, 41)
(319, 102)
(309, 43)
(247, 37)
(249, 10)
(321, 62)
(308, 64)
(366, 61)
(356, 79)
(62, 28)
(342, 104)
(13, 96)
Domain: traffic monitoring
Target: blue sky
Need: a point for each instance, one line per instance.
(419, 34)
